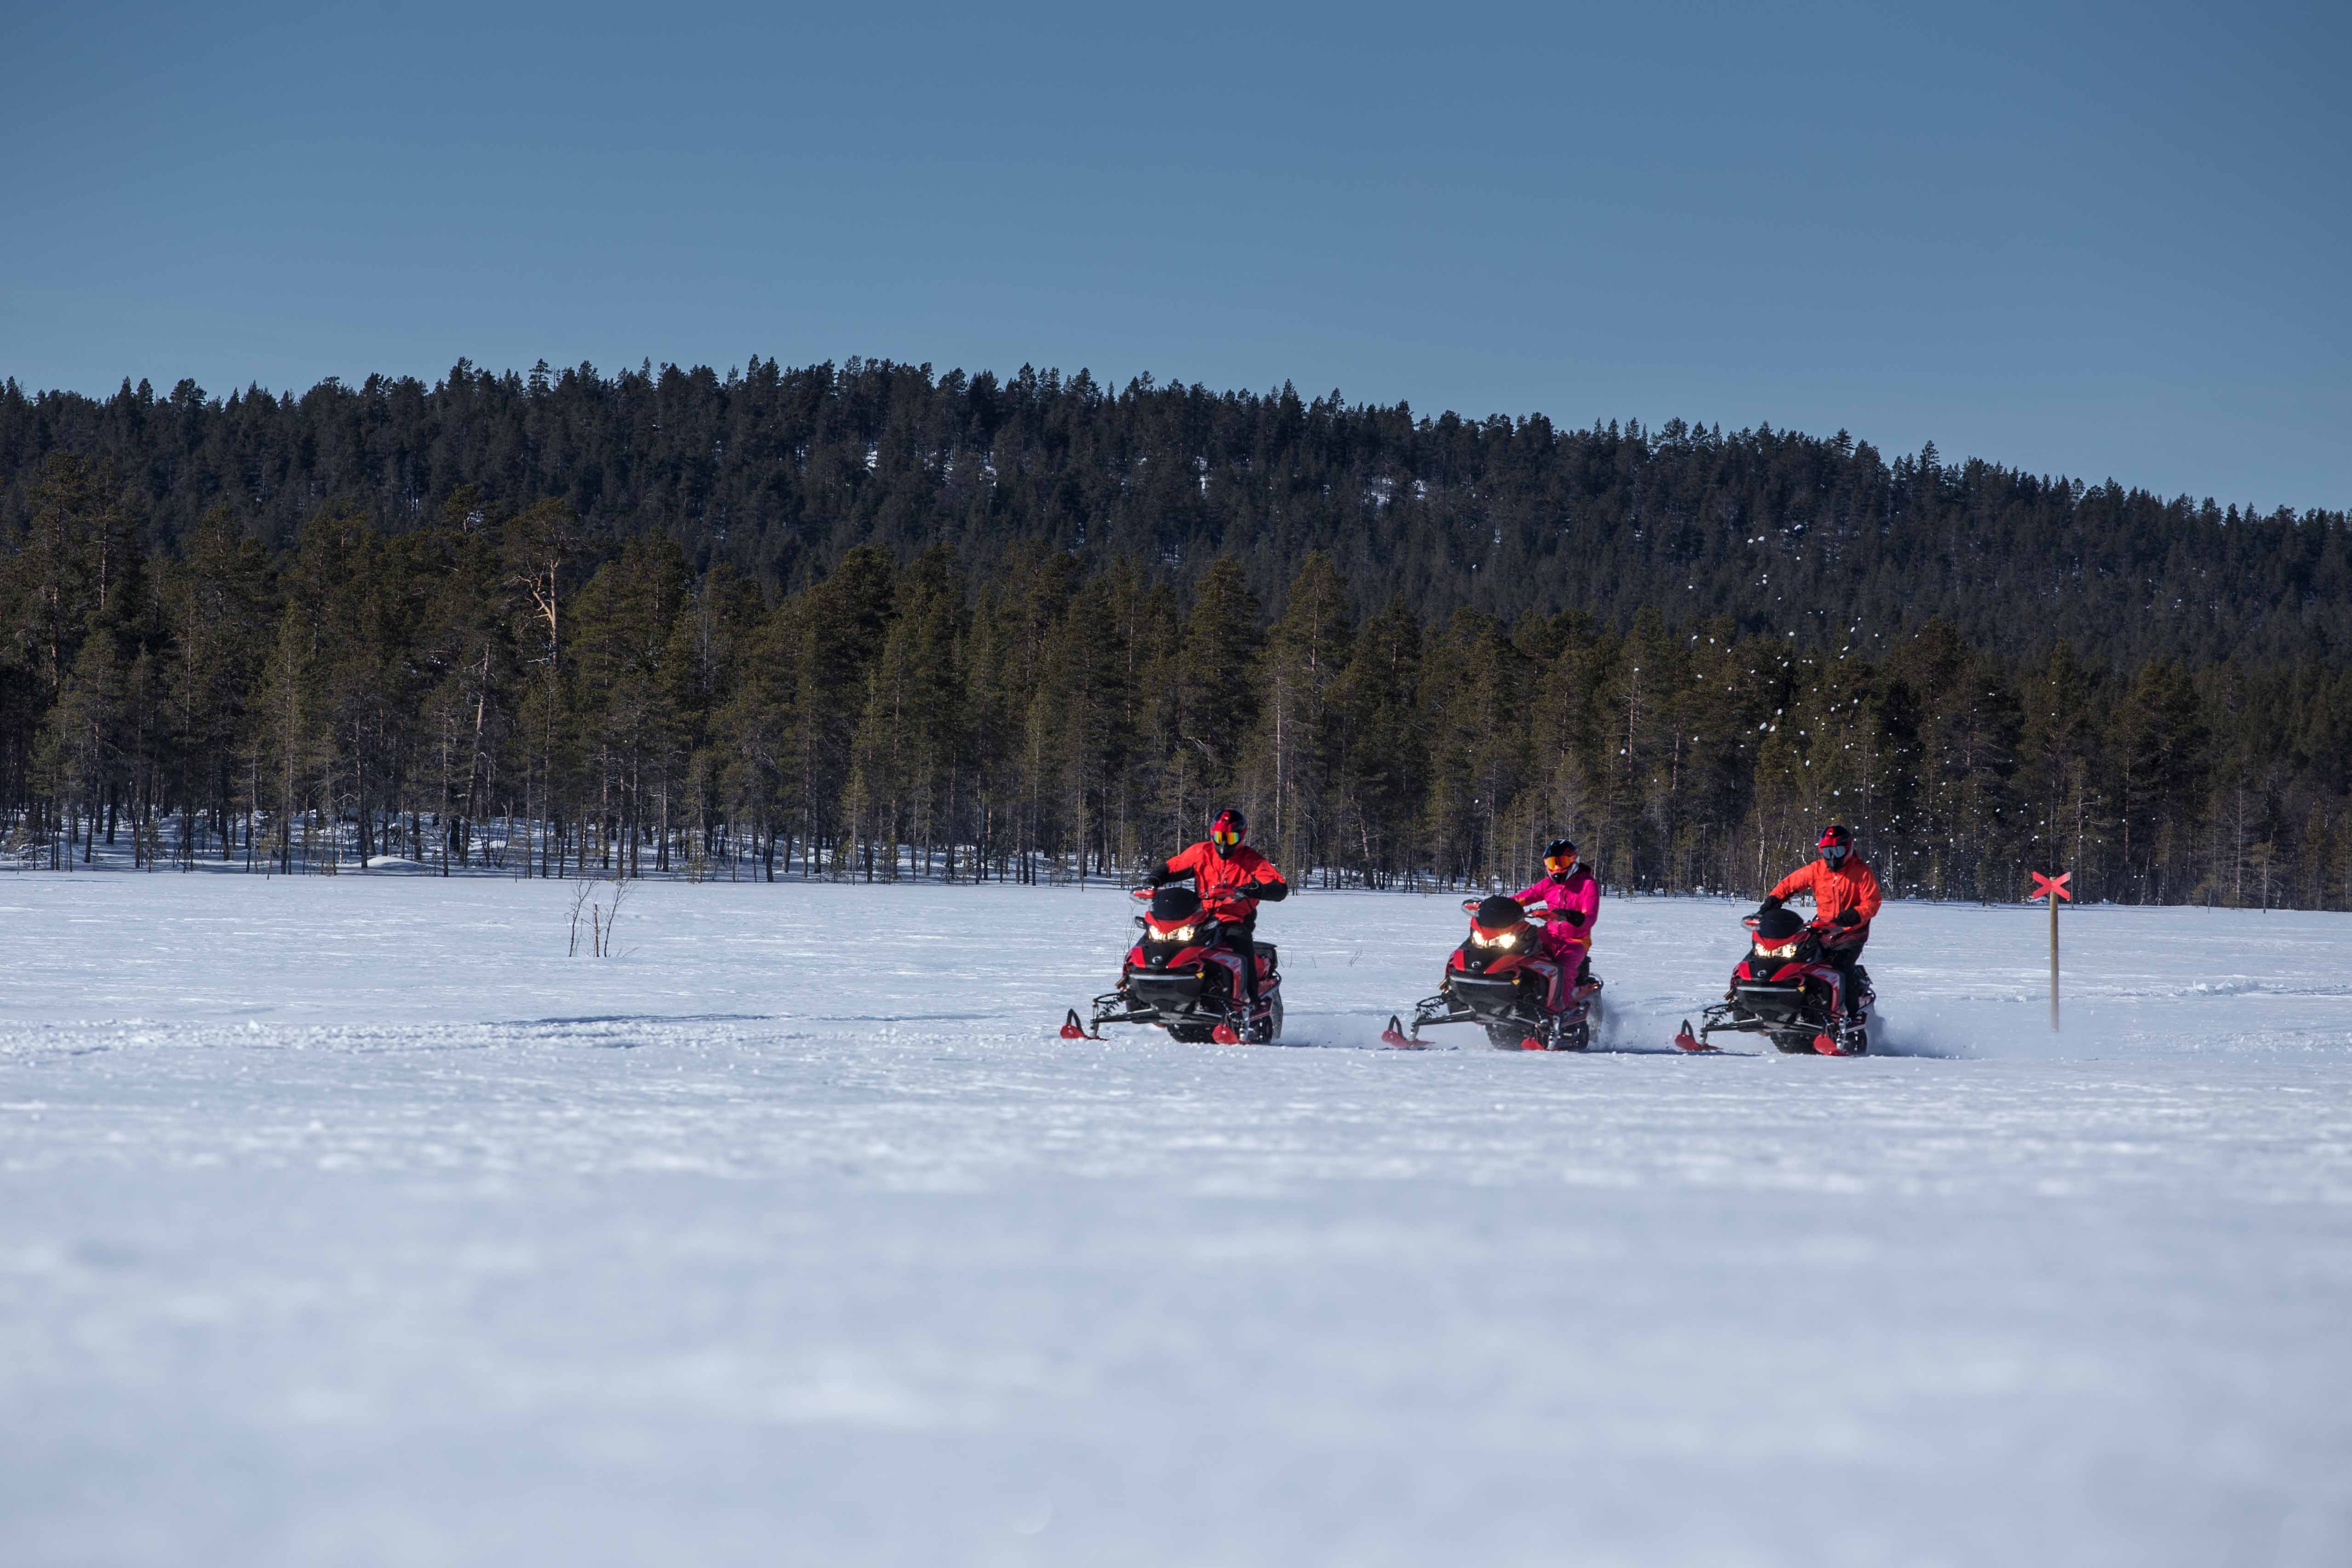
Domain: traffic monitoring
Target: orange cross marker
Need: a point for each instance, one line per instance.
(2053, 889)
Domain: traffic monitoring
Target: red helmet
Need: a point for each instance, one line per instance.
(1227, 831)
(1836, 843)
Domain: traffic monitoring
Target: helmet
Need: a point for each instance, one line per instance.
(1836, 844)
(1227, 831)
(1560, 856)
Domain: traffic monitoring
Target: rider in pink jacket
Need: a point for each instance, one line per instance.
(1572, 894)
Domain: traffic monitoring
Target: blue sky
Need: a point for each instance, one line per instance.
(2092, 240)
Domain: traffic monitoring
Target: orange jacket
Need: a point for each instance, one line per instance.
(1834, 888)
(1212, 873)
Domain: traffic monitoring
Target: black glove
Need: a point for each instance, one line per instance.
(1769, 905)
(1845, 918)
(1573, 917)
(1272, 892)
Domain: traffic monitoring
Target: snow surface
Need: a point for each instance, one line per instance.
(348, 1221)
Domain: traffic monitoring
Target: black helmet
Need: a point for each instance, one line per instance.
(1497, 913)
(1174, 902)
(1836, 843)
(1560, 856)
(1778, 925)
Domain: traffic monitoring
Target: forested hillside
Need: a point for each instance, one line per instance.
(865, 620)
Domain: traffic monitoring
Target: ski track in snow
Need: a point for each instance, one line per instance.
(347, 1220)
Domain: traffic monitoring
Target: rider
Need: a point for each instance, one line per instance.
(1568, 891)
(1846, 896)
(1226, 871)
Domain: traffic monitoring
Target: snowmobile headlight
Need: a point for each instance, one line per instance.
(1776, 949)
(1182, 934)
(1508, 939)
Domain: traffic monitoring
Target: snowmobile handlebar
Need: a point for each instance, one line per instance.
(1829, 932)
(1538, 915)
(1211, 902)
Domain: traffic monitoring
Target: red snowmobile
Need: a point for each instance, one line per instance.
(1788, 990)
(1501, 978)
(1181, 977)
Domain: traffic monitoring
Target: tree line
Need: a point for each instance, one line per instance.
(510, 684)
(777, 472)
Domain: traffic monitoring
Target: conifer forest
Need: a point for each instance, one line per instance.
(866, 621)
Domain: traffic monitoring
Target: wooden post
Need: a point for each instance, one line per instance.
(2054, 887)
(2053, 966)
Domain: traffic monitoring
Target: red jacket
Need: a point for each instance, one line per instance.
(1213, 874)
(1834, 888)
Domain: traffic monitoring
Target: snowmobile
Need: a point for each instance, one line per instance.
(1788, 990)
(1181, 977)
(1501, 979)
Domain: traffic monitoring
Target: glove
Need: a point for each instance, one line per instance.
(1845, 918)
(1573, 917)
(1272, 892)
(1769, 905)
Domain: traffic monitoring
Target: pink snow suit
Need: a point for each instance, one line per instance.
(1563, 944)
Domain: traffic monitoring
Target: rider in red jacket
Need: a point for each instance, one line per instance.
(1845, 896)
(1572, 894)
(1228, 873)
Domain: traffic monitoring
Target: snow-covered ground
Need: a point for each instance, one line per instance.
(348, 1221)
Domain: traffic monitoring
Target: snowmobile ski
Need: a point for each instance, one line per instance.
(1687, 1041)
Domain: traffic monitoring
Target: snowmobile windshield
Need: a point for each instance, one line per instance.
(1497, 913)
(1174, 903)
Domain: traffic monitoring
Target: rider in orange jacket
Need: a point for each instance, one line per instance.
(1225, 871)
(1845, 895)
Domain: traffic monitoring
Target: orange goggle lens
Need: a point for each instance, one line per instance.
(1559, 862)
(1227, 835)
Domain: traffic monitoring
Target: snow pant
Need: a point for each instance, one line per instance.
(1845, 958)
(1566, 946)
(1243, 939)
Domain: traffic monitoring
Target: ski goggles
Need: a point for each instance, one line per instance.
(1560, 865)
(1227, 837)
(1835, 854)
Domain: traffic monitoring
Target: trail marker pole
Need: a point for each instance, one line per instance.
(2053, 887)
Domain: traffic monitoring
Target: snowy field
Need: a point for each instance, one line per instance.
(347, 1221)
